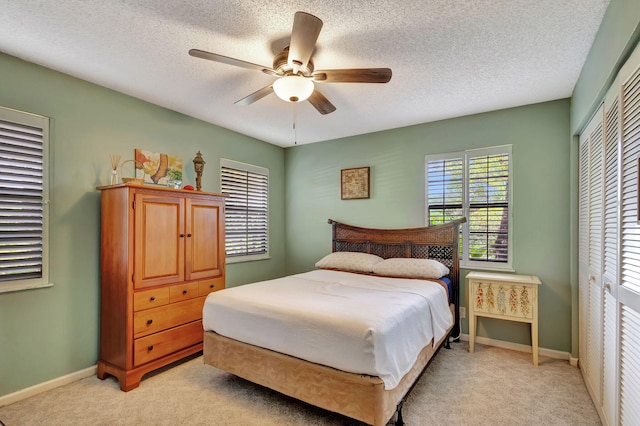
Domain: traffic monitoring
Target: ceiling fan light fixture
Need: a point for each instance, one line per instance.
(293, 88)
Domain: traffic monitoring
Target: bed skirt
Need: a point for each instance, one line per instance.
(358, 396)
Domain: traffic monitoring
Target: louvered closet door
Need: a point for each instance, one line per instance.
(610, 255)
(629, 289)
(591, 357)
(583, 248)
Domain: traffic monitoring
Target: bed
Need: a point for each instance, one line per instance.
(356, 384)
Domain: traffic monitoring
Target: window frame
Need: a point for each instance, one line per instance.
(41, 122)
(465, 155)
(237, 165)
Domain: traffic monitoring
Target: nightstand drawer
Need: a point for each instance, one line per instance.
(168, 316)
(150, 298)
(160, 344)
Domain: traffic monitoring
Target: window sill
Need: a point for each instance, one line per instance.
(487, 268)
(241, 259)
(8, 287)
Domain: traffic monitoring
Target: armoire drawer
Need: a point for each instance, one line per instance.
(207, 286)
(180, 292)
(148, 299)
(157, 345)
(167, 316)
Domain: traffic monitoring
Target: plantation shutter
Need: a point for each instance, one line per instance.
(23, 198)
(246, 208)
(445, 185)
(489, 207)
(473, 184)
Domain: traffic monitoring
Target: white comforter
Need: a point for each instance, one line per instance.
(356, 323)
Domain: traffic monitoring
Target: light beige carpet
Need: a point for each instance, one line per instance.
(490, 387)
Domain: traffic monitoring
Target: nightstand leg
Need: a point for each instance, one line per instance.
(472, 332)
(534, 342)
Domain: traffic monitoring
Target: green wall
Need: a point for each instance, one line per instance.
(618, 35)
(51, 332)
(538, 134)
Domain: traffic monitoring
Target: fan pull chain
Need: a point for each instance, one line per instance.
(295, 128)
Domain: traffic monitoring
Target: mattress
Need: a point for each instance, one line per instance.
(356, 323)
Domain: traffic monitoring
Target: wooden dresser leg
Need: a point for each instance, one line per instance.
(130, 381)
(127, 380)
(102, 374)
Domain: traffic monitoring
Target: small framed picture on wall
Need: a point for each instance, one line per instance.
(354, 183)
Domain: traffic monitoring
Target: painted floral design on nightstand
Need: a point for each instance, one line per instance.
(513, 300)
(479, 297)
(491, 299)
(524, 302)
(502, 301)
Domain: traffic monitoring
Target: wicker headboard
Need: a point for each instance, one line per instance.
(439, 242)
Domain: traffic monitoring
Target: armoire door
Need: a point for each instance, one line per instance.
(205, 256)
(159, 239)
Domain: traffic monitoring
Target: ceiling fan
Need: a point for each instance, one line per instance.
(294, 68)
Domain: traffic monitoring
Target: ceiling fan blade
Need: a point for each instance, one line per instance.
(256, 96)
(363, 75)
(230, 61)
(321, 103)
(304, 34)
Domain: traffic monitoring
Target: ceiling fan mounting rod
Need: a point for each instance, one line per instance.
(282, 66)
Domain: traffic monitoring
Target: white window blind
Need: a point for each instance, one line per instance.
(473, 184)
(246, 209)
(445, 184)
(23, 200)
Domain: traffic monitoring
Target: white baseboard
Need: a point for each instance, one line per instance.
(46, 386)
(551, 353)
(87, 372)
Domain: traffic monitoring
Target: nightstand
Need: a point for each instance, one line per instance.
(504, 296)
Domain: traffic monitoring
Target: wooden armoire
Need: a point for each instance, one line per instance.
(162, 252)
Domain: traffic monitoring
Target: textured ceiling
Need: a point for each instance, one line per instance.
(449, 58)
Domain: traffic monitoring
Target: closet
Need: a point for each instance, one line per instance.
(609, 251)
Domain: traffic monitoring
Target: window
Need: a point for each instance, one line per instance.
(24, 199)
(474, 184)
(246, 210)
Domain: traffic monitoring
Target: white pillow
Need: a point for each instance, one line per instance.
(411, 268)
(349, 261)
